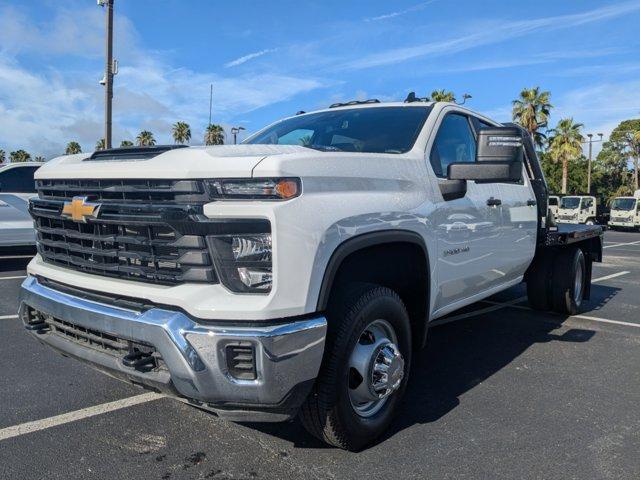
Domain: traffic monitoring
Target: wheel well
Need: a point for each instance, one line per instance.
(400, 265)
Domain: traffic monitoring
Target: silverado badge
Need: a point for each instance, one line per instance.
(79, 209)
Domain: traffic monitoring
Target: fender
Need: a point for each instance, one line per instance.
(363, 241)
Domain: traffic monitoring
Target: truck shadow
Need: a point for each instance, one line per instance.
(461, 355)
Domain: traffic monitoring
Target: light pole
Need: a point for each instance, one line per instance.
(234, 132)
(109, 72)
(591, 141)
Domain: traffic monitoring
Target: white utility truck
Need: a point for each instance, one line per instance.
(577, 209)
(295, 274)
(625, 212)
(554, 202)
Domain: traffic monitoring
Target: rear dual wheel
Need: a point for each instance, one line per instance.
(558, 281)
(365, 367)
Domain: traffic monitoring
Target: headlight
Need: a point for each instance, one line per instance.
(255, 188)
(244, 261)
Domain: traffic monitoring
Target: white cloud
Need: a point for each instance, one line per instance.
(489, 34)
(250, 56)
(398, 13)
(43, 108)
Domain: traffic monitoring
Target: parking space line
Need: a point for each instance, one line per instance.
(8, 317)
(621, 244)
(37, 425)
(13, 257)
(606, 320)
(608, 277)
(16, 277)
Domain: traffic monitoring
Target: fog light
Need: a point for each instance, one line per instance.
(259, 279)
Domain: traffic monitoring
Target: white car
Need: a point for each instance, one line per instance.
(16, 187)
(296, 273)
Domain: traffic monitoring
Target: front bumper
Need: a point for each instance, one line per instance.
(287, 356)
(622, 223)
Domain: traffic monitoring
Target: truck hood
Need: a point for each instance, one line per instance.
(223, 161)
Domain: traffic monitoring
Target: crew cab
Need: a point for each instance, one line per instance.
(16, 187)
(625, 212)
(298, 272)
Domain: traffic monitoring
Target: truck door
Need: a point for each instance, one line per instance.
(468, 229)
(519, 227)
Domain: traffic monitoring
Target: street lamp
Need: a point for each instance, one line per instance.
(235, 131)
(111, 68)
(591, 141)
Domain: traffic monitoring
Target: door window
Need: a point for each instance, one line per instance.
(454, 143)
(18, 180)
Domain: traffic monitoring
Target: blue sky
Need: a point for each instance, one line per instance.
(270, 59)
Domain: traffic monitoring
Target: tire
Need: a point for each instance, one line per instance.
(538, 291)
(569, 267)
(329, 413)
(590, 222)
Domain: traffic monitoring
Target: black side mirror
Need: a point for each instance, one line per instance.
(499, 157)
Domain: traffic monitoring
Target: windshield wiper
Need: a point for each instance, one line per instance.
(324, 148)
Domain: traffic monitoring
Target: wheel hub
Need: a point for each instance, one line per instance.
(376, 368)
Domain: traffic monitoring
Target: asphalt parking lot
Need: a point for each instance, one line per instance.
(499, 392)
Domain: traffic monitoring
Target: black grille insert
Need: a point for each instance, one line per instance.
(98, 340)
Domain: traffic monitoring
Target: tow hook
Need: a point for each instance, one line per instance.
(138, 360)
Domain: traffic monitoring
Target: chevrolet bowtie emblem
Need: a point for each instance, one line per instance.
(78, 209)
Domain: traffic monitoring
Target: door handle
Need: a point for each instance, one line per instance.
(531, 203)
(494, 202)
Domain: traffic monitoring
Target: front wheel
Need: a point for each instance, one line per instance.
(590, 222)
(365, 369)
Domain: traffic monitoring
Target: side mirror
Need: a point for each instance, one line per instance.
(499, 158)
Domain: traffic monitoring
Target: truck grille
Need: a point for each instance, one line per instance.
(133, 236)
(131, 190)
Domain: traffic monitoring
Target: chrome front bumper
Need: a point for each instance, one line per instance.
(287, 356)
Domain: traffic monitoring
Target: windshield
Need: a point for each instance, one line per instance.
(625, 204)
(569, 202)
(370, 130)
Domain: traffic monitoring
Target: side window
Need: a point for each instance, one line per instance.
(553, 202)
(454, 143)
(478, 124)
(587, 203)
(18, 180)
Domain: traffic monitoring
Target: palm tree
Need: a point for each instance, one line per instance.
(73, 148)
(565, 145)
(531, 111)
(39, 158)
(181, 132)
(19, 156)
(3, 156)
(126, 143)
(145, 139)
(214, 135)
(443, 96)
(101, 144)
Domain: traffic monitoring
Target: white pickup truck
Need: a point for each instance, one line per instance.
(298, 272)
